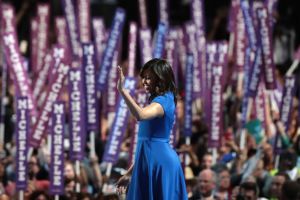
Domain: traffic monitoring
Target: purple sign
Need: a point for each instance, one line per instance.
(216, 121)
(43, 18)
(248, 20)
(211, 57)
(287, 101)
(84, 19)
(99, 37)
(174, 132)
(163, 11)
(245, 86)
(198, 15)
(61, 32)
(159, 44)
(145, 45)
(89, 67)
(188, 95)
(8, 19)
(77, 106)
(267, 48)
(171, 51)
(217, 62)
(0, 15)
(182, 48)
(4, 84)
(43, 74)
(111, 46)
(254, 6)
(222, 54)
(13, 57)
(33, 43)
(57, 149)
(22, 133)
(59, 55)
(286, 108)
(132, 48)
(201, 44)
(190, 30)
(72, 24)
(112, 92)
(255, 74)
(272, 7)
(297, 54)
(240, 41)
(260, 104)
(117, 132)
(232, 16)
(54, 89)
(143, 13)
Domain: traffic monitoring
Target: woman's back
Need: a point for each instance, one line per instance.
(159, 127)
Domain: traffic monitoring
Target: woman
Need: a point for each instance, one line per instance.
(156, 173)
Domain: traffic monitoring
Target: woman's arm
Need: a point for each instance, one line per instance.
(123, 180)
(129, 170)
(151, 111)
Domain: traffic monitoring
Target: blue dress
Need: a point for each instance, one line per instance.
(157, 172)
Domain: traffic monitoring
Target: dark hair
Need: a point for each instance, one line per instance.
(35, 194)
(164, 76)
(288, 160)
(290, 190)
(283, 174)
(250, 186)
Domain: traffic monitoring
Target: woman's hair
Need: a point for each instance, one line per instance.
(164, 77)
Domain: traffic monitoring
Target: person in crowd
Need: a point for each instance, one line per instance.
(71, 178)
(188, 150)
(4, 197)
(268, 157)
(37, 179)
(207, 161)
(248, 191)
(206, 185)
(263, 178)
(290, 191)
(39, 195)
(156, 172)
(35, 170)
(276, 186)
(235, 192)
(288, 163)
(223, 184)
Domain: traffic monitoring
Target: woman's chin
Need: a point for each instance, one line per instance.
(147, 91)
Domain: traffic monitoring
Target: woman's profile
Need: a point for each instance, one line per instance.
(156, 172)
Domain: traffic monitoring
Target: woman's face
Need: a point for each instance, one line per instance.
(69, 171)
(148, 81)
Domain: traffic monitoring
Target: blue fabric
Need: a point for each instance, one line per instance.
(157, 173)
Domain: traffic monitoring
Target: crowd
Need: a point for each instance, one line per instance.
(248, 173)
(253, 172)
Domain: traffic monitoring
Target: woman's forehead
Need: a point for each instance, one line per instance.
(147, 72)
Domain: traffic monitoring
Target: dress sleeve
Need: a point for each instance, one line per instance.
(162, 100)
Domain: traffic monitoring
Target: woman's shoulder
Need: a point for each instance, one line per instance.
(165, 96)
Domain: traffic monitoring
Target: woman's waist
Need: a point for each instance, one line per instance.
(153, 139)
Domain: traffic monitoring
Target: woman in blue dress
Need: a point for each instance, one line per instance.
(156, 173)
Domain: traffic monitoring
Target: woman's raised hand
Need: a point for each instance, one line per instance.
(121, 80)
(122, 184)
